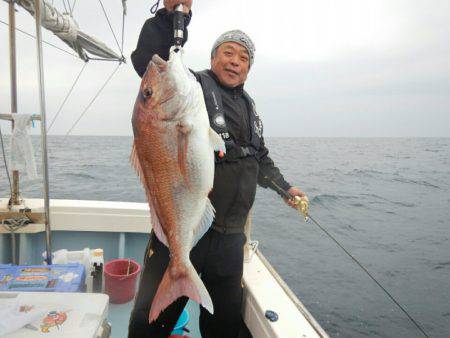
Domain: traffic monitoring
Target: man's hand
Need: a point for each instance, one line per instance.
(171, 4)
(294, 192)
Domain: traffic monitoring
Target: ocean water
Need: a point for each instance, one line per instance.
(386, 200)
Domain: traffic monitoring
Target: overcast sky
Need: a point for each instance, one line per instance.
(346, 68)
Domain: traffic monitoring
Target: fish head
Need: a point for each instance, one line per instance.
(155, 89)
(166, 87)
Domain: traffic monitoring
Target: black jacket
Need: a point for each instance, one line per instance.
(235, 182)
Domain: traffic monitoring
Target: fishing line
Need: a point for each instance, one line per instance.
(92, 101)
(289, 196)
(369, 274)
(4, 159)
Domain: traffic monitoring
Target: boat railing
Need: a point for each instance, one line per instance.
(250, 249)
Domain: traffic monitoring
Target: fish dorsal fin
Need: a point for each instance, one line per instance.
(156, 225)
(205, 222)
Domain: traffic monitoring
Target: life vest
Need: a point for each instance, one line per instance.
(216, 114)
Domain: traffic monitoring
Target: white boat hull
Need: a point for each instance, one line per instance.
(263, 288)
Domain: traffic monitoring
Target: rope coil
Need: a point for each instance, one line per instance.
(15, 223)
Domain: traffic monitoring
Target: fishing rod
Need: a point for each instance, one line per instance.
(302, 205)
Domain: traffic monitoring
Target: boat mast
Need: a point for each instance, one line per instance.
(15, 198)
(65, 28)
(48, 238)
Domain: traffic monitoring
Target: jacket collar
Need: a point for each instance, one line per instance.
(235, 91)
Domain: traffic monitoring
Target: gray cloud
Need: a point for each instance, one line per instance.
(398, 87)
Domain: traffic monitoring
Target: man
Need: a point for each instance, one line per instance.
(218, 256)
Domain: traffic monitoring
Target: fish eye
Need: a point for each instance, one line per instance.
(147, 92)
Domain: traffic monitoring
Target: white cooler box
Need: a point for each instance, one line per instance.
(54, 314)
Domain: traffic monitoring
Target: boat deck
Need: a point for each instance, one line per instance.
(119, 315)
(121, 230)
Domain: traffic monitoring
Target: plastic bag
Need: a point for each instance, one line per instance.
(22, 152)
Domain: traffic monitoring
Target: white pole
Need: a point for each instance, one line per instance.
(48, 237)
(13, 77)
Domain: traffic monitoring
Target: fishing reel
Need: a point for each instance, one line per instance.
(178, 26)
(302, 205)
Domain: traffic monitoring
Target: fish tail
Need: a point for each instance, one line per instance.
(175, 285)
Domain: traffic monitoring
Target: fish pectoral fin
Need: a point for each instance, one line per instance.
(182, 140)
(205, 222)
(216, 141)
(184, 127)
(134, 159)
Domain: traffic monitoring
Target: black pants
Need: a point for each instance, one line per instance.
(219, 260)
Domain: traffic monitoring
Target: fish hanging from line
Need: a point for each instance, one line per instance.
(173, 153)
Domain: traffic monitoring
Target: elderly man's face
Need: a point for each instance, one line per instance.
(230, 63)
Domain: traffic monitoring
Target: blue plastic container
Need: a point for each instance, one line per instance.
(182, 321)
(48, 278)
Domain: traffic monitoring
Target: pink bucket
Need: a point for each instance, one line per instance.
(120, 280)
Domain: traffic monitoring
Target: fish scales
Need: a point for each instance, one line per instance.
(173, 153)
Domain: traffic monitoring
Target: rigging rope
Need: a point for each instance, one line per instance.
(6, 163)
(67, 96)
(109, 23)
(48, 43)
(70, 7)
(64, 3)
(107, 60)
(73, 6)
(154, 8)
(124, 12)
(92, 101)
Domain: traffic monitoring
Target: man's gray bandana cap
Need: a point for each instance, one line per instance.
(239, 37)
